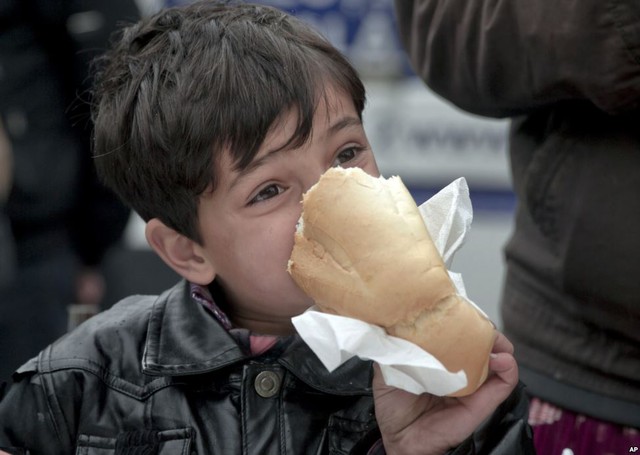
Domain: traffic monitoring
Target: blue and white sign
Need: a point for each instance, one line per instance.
(364, 30)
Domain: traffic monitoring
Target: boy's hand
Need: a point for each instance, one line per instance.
(427, 424)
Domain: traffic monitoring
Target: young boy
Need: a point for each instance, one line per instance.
(211, 121)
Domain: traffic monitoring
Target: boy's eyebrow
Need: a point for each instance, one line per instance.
(342, 123)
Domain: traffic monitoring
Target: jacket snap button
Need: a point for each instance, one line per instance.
(267, 384)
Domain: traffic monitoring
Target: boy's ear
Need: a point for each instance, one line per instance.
(181, 253)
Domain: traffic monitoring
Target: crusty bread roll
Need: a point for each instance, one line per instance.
(362, 250)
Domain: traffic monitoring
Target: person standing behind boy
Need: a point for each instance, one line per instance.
(59, 220)
(568, 73)
(211, 120)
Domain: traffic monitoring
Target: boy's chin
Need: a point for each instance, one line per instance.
(301, 307)
(304, 308)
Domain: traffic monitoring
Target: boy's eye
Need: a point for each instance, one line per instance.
(346, 155)
(267, 193)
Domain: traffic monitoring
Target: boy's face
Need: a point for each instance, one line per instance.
(248, 223)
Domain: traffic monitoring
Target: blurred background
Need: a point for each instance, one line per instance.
(414, 134)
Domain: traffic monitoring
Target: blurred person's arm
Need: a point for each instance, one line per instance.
(7, 257)
(6, 165)
(503, 58)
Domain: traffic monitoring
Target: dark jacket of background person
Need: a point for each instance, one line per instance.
(60, 217)
(161, 375)
(568, 73)
(6, 242)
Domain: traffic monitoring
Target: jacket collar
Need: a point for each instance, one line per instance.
(183, 338)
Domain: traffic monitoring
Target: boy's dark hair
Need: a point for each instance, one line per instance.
(180, 87)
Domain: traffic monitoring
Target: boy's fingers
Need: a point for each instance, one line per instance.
(499, 385)
(504, 365)
(502, 344)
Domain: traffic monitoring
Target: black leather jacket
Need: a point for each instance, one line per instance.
(160, 374)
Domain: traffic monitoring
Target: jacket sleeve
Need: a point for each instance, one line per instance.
(26, 422)
(506, 57)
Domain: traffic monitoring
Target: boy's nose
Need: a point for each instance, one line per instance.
(312, 175)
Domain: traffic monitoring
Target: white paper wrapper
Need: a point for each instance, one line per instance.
(335, 339)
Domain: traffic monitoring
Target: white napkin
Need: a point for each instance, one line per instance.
(335, 339)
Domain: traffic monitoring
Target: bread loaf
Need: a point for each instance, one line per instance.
(362, 250)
